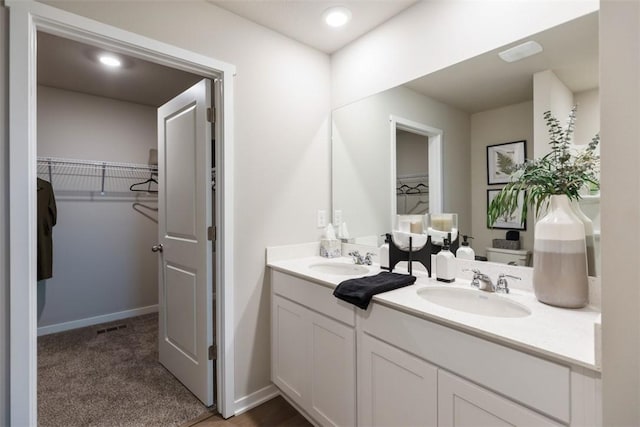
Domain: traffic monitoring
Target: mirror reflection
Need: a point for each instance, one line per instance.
(422, 147)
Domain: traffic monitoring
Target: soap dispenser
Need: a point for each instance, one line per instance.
(445, 264)
(465, 251)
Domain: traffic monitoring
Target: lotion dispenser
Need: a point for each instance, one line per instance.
(445, 264)
(465, 251)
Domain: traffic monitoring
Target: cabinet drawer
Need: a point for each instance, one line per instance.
(461, 403)
(312, 295)
(527, 379)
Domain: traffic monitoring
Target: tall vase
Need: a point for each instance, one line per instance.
(560, 257)
(589, 237)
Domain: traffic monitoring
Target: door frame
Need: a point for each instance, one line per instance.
(436, 158)
(26, 18)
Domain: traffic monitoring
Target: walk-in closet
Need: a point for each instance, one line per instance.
(97, 135)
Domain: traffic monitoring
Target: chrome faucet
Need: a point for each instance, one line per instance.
(360, 260)
(502, 285)
(482, 281)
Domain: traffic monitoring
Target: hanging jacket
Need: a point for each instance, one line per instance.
(47, 214)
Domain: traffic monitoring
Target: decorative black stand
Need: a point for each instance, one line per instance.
(423, 255)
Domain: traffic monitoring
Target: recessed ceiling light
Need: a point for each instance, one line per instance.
(521, 51)
(109, 60)
(337, 16)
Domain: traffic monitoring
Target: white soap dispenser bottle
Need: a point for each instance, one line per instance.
(465, 251)
(445, 264)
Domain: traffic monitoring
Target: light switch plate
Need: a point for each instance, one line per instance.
(337, 217)
(322, 218)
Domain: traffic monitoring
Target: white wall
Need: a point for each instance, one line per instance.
(505, 124)
(588, 116)
(362, 153)
(432, 35)
(412, 153)
(549, 94)
(102, 259)
(282, 148)
(620, 131)
(4, 217)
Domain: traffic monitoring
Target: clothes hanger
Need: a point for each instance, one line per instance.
(149, 181)
(420, 202)
(414, 190)
(140, 208)
(402, 189)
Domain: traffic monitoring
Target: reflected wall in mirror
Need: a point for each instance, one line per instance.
(364, 157)
(479, 102)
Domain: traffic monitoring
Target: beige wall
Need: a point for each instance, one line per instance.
(4, 217)
(107, 237)
(412, 153)
(549, 94)
(620, 131)
(505, 124)
(588, 116)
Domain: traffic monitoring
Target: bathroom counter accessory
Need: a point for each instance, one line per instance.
(558, 334)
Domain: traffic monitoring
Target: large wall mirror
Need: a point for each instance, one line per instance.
(422, 147)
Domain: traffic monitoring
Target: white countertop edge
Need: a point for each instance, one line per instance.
(463, 322)
(496, 338)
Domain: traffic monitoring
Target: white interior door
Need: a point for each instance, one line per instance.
(184, 216)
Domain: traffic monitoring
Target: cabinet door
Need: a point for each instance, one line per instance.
(394, 387)
(333, 374)
(464, 404)
(289, 349)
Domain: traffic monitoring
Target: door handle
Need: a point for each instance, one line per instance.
(156, 248)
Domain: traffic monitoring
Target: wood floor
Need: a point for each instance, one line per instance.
(274, 413)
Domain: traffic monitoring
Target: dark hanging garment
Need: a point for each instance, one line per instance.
(46, 220)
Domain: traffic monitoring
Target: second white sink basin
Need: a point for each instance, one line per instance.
(341, 269)
(474, 301)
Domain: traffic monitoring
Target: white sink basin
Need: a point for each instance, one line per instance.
(474, 301)
(341, 269)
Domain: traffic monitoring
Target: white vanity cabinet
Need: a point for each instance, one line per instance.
(464, 404)
(395, 388)
(313, 352)
(412, 371)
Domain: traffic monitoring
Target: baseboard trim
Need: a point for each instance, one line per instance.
(255, 399)
(96, 320)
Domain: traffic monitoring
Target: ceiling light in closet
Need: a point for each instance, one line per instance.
(337, 16)
(520, 51)
(110, 60)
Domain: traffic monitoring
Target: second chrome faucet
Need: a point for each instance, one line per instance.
(484, 282)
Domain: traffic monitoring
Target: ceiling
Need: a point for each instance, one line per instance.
(486, 82)
(70, 65)
(478, 84)
(302, 19)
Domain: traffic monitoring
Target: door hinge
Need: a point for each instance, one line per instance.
(211, 233)
(211, 114)
(213, 352)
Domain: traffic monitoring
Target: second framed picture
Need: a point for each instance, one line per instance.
(502, 159)
(508, 222)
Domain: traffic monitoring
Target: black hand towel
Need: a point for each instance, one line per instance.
(360, 291)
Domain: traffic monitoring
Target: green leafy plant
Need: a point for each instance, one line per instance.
(558, 172)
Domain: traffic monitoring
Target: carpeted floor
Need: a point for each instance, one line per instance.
(110, 379)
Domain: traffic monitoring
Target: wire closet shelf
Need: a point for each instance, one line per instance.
(93, 176)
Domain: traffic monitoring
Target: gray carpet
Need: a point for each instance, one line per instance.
(109, 379)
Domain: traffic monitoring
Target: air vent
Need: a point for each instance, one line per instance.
(111, 328)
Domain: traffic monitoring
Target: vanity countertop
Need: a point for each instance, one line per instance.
(566, 335)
